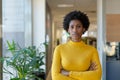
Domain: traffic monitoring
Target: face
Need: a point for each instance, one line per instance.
(75, 30)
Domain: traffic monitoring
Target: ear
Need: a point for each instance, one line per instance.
(68, 31)
(83, 29)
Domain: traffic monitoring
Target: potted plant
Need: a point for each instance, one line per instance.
(25, 61)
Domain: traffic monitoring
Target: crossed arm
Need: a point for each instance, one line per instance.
(93, 73)
(92, 67)
(56, 67)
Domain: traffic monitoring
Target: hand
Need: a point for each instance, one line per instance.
(64, 72)
(93, 66)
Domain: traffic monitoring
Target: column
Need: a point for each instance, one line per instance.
(38, 16)
(101, 35)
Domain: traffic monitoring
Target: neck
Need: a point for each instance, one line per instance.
(76, 40)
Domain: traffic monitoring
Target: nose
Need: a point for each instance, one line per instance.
(74, 29)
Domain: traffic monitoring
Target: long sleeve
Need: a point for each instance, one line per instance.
(91, 75)
(56, 67)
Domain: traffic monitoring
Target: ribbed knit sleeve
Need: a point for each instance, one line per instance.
(89, 75)
(56, 66)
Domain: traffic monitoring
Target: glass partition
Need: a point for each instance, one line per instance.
(16, 25)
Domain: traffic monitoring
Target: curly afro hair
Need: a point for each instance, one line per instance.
(76, 15)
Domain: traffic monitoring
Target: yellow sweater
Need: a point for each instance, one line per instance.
(75, 57)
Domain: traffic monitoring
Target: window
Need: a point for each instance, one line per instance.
(16, 18)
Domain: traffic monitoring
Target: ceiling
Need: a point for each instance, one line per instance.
(87, 6)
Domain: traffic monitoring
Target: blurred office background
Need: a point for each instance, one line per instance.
(31, 22)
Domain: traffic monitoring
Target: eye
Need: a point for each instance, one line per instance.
(72, 27)
(78, 26)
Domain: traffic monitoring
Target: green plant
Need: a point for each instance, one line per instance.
(25, 61)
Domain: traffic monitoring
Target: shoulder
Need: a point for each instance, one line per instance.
(61, 46)
(91, 47)
(93, 51)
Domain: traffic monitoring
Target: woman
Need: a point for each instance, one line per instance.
(75, 60)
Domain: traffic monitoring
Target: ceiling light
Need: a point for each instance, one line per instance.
(65, 5)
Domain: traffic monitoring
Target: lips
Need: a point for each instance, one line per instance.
(75, 35)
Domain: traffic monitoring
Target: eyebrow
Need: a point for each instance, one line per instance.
(76, 25)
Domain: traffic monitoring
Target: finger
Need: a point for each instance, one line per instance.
(93, 66)
(93, 63)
